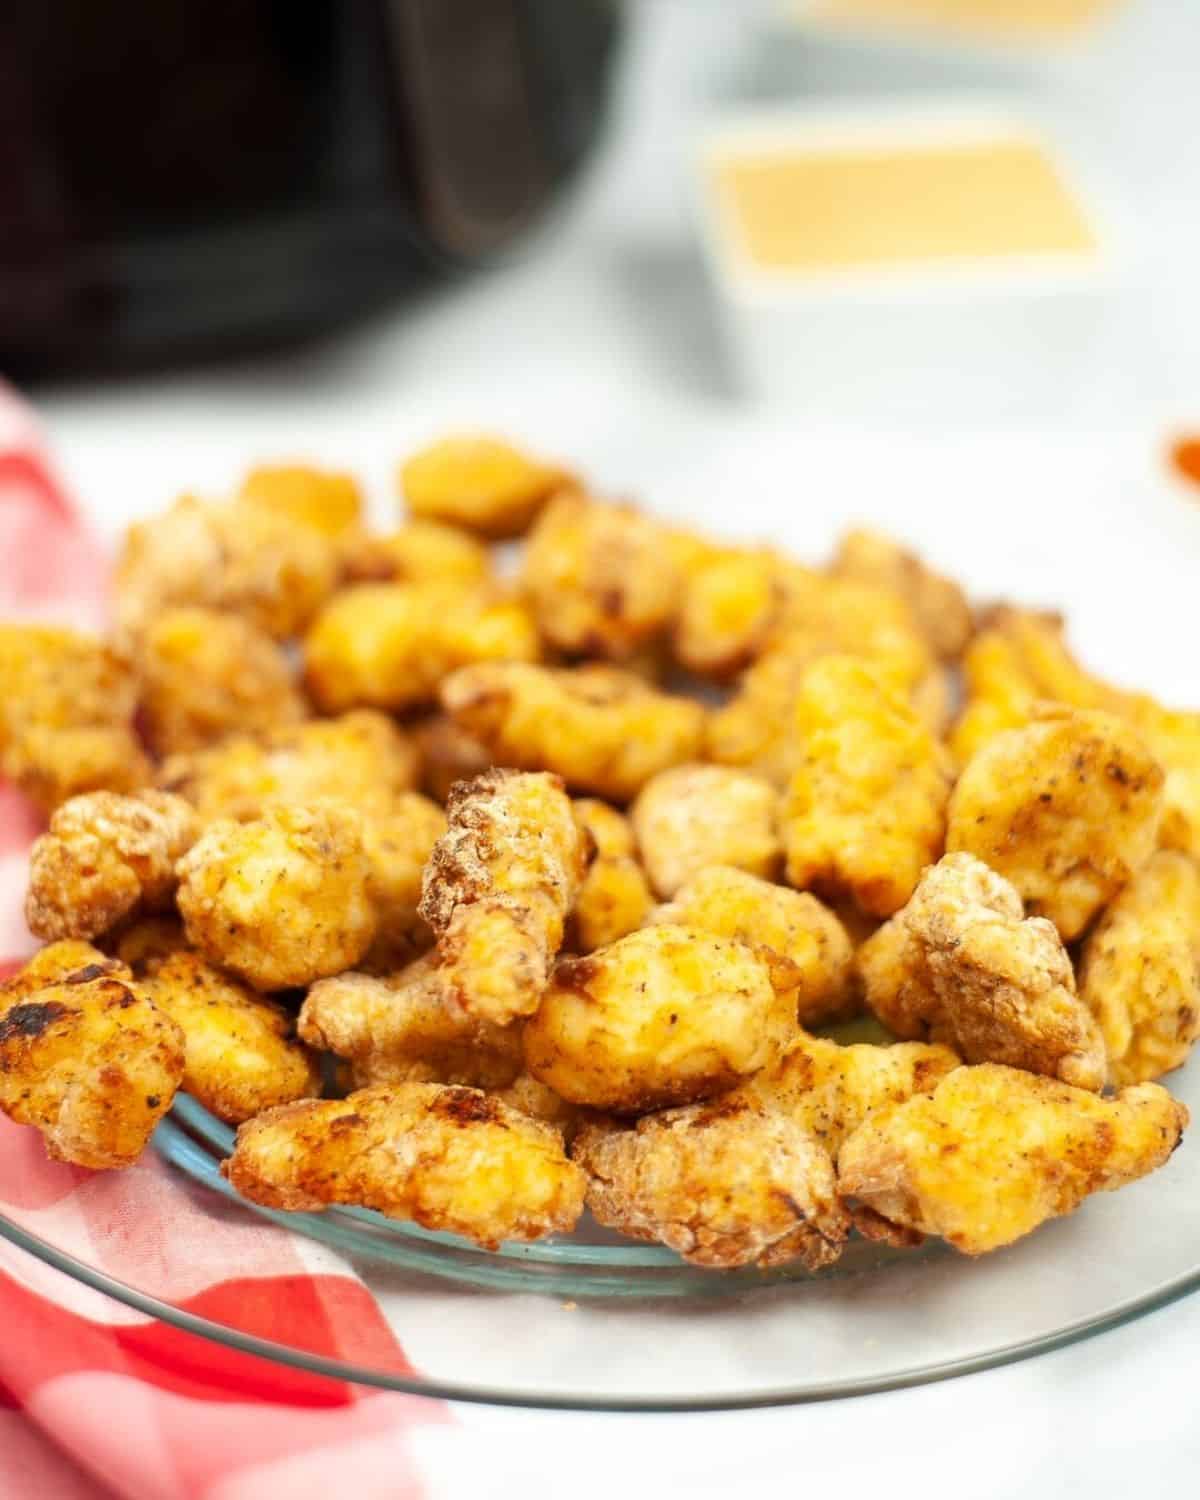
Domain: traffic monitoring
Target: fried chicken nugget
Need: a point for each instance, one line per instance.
(601, 578)
(498, 887)
(726, 1183)
(419, 552)
(537, 1100)
(733, 904)
(448, 754)
(993, 1152)
(282, 900)
(325, 500)
(206, 674)
(601, 729)
(240, 1051)
(360, 758)
(388, 645)
(1140, 970)
(479, 483)
(963, 965)
(66, 715)
(246, 559)
(85, 1057)
(865, 808)
(398, 847)
(614, 897)
(449, 1158)
(693, 816)
(406, 1027)
(728, 606)
(1173, 736)
(667, 1015)
(1067, 808)
(938, 604)
(103, 858)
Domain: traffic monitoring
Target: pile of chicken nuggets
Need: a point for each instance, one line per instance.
(478, 895)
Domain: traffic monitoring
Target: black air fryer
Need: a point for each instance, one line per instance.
(185, 176)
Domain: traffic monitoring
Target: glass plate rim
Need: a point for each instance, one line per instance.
(1114, 1317)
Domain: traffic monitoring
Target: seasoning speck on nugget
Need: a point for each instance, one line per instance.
(448, 1158)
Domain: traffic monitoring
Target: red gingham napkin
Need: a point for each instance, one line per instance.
(97, 1400)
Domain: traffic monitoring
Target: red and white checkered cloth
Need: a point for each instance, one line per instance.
(97, 1400)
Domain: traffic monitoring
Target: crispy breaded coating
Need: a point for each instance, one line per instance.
(498, 887)
(388, 645)
(103, 858)
(601, 578)
(1067, 808)
(66, 715)
(448, 754)
(614, 897)
(282, 900)
(667, 1015)
(419, 552)
(206, 674)
(145, 944)
(240, 1051)
(325, 499)
(398, 847)
(480, 483)
(993, 1152)
(693, 816)
(361, 758)
(961, 964)
(733, 904)
(601, 729)
(1173, 736)
(540, 1102)
(865, 808)
(728, 606)
(1140, 970)
(829, 1090)
(406, 1027)
(246, 559)
(727, 1183)
(938, 604)
(449, 1158)
(86, 1058)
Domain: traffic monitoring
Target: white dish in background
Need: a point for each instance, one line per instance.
(925, 335)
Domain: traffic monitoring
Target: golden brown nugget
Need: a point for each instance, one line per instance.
(419, 552)
(361, 758)
(829, 1090)
(480, 483)
(733, 904)
(938, 604)
(241, 1055)
(962, 965)
(728, 606)
(388, 645)
(993, 1152)
(694, 816)
(865, 808)
(1140, 970)
(614, 897)
(326, 500)
(448, 1158)
(143, 945)
(1173, 736)
(66, 715)
(723, 1184)
(498, 888)
(87, 1060)
(206, 674)
(448, 754)
(242, 558)
(103, 858)
(282, 900)
(398, 846)
(668, 1015)
(406, 1027)
(601, 578)
(537, 1100)
(1067, 809)
(602, 730)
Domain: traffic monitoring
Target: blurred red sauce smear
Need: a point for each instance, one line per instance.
(1185, 458)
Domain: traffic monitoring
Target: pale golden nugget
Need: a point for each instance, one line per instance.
(420, 552)
(480, 483)
(104, 858)
(1067, 809)
(728, 606)
(398, 847)
(939, 606)
(995, 1151)
(324, 499)
(1140, 970)
(615, 895)
(448, 1158)
(282, 900)
(668, 1015)
(694, 816)
(498, 888)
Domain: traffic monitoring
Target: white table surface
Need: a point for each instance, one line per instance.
(600, 345)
